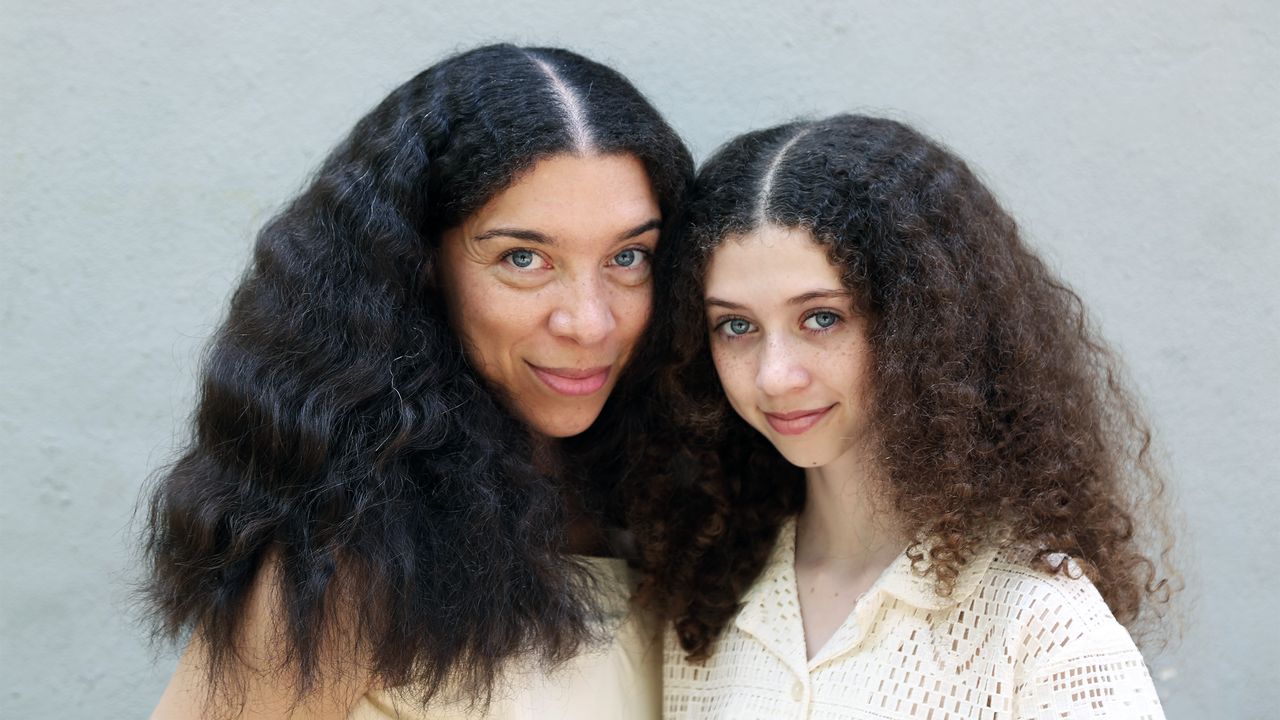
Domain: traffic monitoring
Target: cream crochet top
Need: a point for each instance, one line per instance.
(1011, 642)
(616, 680)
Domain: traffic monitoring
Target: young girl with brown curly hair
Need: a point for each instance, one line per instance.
(910, 483)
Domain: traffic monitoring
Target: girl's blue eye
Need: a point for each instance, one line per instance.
(521, 258)
(821, 320)
(738, 326)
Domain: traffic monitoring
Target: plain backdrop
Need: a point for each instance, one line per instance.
(143, 143)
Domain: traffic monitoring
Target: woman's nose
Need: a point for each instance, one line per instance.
(584, 315)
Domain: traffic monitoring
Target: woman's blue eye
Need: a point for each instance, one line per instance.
(738, 326)
(521, 258)
(821, 320)
(626, 258)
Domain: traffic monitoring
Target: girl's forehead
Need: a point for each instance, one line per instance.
(770, 264)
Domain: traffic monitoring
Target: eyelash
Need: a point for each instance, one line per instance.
(822, 311)
(506, 258)
(722, 325)
(644, 256)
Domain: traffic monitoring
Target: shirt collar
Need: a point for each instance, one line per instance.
(903, 582)
(770, 607)
(772, 601)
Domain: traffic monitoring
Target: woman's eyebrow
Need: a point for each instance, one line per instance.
(532, 236)
(654, 224)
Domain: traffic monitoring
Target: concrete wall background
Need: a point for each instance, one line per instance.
(142, 144)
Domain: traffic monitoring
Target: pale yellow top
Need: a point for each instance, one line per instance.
(1011, 642)
(616, 680)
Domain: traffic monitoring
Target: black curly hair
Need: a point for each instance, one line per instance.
(995, 406)
(341, 436)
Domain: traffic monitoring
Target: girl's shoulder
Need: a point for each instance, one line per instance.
(1042, 616)
(1021, 583)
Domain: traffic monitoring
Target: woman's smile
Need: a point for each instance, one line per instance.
(571, 381)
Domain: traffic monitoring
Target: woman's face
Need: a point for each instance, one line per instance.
(791, 352)
(549, 285)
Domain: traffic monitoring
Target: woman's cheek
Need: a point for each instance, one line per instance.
(632, 310)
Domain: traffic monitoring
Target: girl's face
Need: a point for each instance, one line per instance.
(548, 285)
(791, 352)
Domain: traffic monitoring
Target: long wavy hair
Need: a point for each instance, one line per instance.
(995, 406)
(340, 436)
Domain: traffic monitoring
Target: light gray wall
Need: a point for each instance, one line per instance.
(142, 143)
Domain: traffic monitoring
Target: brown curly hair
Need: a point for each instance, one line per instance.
(996, 406)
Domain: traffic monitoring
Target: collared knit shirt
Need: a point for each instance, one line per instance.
(1009, 642)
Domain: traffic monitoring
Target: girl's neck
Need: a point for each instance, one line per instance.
(844, 542)
(844, 523)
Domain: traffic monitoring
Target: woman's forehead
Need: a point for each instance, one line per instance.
(569, 196)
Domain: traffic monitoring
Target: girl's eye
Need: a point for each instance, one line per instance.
(631, 257)
(821, 320)
(523, 259)
(735, 327)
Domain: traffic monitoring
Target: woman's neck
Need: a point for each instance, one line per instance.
(547, 455)
(583, 534)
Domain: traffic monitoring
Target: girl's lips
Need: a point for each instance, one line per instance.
(796, 422)
(572, 381)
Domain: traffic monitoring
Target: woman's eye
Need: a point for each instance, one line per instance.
(522, 259)
(629, 257)
(821, 320)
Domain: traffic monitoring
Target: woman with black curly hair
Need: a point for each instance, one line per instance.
(406, 490)
(913, 482)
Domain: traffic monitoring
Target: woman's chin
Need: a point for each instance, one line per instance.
(562, 424)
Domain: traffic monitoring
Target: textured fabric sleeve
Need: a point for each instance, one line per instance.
(1102, 677)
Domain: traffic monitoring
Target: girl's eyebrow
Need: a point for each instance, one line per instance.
(722, 303)
(797, 300)
(819, 295)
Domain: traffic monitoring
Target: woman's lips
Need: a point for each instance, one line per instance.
(797, 421)
(573, 381)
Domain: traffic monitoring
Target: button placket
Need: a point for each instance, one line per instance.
(800, 697)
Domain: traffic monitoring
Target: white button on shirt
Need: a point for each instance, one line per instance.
(1010, 642)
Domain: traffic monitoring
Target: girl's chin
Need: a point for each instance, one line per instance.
(808, 455)
(805, 460)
